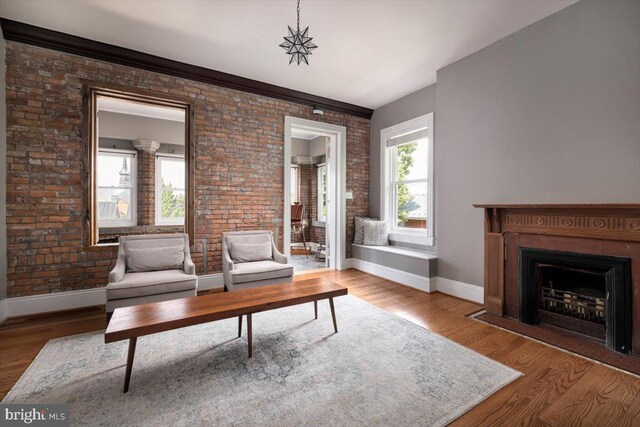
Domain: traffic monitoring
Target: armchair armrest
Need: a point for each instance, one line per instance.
(189, 266)
(227, 264)
(117, 274)
(277, 255)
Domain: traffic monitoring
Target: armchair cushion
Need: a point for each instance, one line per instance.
(249, 252)
(153, 259)
(135, 285)
(260, 270)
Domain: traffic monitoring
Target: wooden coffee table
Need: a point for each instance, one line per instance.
(145, 319)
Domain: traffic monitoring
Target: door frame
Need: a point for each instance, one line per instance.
(337, 164)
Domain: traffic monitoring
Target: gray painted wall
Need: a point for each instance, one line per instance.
(3, 172)
(413, 105)
(550, 113)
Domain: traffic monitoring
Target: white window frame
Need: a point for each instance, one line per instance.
(294, 183)
(387, 176)
(322, 170)
(158, 190)
(124, 222)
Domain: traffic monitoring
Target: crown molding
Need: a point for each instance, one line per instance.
(37, 36)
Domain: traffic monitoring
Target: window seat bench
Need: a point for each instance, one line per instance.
(409, 266)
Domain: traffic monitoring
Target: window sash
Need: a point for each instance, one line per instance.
(394, 183)
(133, 219)
(394, 204)
(161, 220)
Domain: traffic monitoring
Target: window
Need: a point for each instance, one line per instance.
(294, 184)
(409, 185)
(322, 193)
(170, 190)
(407, 180)
(116, 196)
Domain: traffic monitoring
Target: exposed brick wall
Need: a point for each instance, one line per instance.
(238, 165)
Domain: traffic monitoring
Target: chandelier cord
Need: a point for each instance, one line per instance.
(298, 15)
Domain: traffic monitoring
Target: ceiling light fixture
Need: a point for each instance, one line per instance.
(298, 43)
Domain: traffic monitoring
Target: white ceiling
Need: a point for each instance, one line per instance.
(139, 109)
(370, 52)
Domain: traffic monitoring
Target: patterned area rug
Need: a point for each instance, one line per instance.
(378, 370)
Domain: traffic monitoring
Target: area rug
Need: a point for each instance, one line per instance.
(378, 370)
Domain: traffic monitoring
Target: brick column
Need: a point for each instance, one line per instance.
(146, 187)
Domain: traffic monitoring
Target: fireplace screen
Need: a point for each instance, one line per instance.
(575, 292)
(587, 294)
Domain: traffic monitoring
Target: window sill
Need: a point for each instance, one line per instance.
(318, 224)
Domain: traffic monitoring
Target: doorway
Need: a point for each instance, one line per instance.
(314, 178)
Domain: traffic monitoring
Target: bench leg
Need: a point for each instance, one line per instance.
(249, 335)
(127, 375)
(333, 315)
(239, 326)
(315, 308)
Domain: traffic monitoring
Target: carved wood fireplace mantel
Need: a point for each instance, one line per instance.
(601, 222)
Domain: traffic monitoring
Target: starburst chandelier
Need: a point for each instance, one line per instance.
(298, 43)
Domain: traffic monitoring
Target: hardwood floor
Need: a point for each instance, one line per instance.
(557, 389)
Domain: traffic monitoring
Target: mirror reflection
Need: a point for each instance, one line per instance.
(140, 168)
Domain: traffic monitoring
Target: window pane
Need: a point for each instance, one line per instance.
(172, 173)
(114, 186)
(114, 203)
(114, 170)
(412, 161)
(411, 203)
(172, 195)
(172, 203)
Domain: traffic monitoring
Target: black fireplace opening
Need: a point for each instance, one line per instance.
(586, 294)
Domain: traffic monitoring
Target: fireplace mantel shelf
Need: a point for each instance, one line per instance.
(558, 206)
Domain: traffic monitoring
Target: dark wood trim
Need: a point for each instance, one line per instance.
(559, 206)
(91, 90)
(55, 40)
(603, 221)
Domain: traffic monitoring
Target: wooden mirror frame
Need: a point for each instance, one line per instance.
(91, 92)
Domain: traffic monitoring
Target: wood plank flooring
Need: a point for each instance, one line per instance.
(557, 389)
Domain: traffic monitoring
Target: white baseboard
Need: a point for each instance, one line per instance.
(404, 278)
(459, 289)
(22, 306)
(446, 286)
(210, 281)
(3, 311)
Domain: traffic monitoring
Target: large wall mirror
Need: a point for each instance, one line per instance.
(139, 158)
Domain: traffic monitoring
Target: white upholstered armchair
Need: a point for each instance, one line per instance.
(251, 259)
(151, 268)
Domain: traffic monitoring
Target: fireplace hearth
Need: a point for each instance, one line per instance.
(586, 294)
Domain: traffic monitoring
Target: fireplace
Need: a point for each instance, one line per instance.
(568, 275)
(586, 294)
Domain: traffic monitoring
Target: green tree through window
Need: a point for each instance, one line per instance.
(172, 204)
(404, 200)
